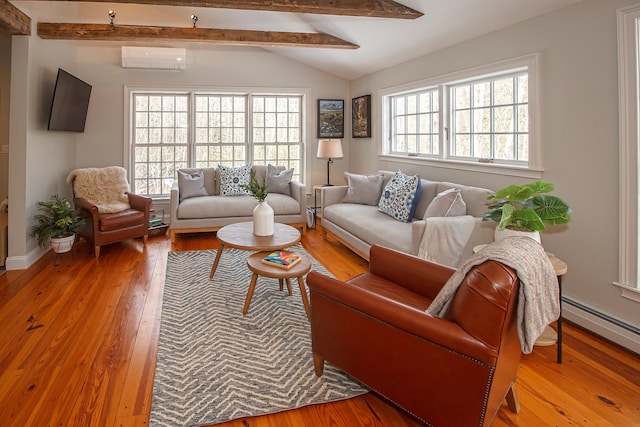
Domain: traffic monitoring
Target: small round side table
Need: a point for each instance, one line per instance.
(298, 271)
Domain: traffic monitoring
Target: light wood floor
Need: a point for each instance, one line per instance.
(78, 348)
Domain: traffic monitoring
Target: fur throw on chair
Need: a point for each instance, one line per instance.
(104, 187)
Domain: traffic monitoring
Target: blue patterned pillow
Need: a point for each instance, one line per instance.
(400, 196)
(232, 178)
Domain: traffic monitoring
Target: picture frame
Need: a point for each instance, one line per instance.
(361, 117)
(330, 118)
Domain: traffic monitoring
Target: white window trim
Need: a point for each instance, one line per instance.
(306, 108)
(629, 110)
(533, 170)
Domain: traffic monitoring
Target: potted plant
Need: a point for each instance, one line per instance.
(526, 208)
(57, 224)
(263, 213)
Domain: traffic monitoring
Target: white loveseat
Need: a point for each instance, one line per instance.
(209, 211)
(359, 226)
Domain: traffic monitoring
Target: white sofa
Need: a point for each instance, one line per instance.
(211, 211)
(359, 226)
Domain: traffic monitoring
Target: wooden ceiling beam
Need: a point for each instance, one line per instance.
(369, 8)
(13, 21)
(62, 31)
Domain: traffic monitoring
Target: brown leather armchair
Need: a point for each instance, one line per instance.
(453, 371)
(131, 219)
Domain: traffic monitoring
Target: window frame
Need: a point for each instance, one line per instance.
(628, 28)
(533, 169)
(249, 92)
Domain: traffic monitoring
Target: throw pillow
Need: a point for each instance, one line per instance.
(278, 181)
(447, 203)
(231, 180)
(400, 196)
(363, 189)
(191, 184)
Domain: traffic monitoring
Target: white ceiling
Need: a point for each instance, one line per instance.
(383, 42)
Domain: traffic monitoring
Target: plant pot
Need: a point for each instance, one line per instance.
(505, 232)
(263, 220)
(63, 244)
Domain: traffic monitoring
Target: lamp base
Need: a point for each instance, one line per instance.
(327, 185)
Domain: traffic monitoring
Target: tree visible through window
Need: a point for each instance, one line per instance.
(196, 130)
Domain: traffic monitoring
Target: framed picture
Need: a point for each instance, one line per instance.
(361, 117)
(330, 118)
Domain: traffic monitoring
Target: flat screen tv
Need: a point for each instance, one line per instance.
(69, 104)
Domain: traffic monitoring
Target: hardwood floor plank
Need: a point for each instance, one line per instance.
(78, 347)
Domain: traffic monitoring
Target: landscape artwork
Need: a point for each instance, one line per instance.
(330, 118)
(361, 117)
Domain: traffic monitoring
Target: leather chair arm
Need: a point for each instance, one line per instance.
(138, 202)
(416, 274)
(405, 318)
(81, 203)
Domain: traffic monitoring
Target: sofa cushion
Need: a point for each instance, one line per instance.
(191, 184)
(363, 189)
(400, 196)
(240, 206)
(370, 225)
(447, 203)
(278, 181)
(232, 179)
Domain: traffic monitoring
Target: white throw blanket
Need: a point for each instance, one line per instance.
(538, 298)
(445, 238)
(103, 187)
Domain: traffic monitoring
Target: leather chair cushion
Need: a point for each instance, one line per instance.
(380, 286)
(118, 220)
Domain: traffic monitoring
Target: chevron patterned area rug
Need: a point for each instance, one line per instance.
(216, 365)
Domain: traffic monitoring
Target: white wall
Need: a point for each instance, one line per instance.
(220, 67)
(579, 124)
(49, 156)
(5, 89)
(38, 160)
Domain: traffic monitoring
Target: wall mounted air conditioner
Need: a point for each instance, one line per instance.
(157, 58)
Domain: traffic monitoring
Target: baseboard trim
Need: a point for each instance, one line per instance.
(25, 261)
(610, 328)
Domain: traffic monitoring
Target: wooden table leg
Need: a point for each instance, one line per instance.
(216, 261)
(252, 287)
(289, 286)
(305, 299)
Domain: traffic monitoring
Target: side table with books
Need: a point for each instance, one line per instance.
(281, 265)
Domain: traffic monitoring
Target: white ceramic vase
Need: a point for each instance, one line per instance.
(263, 220)
(63, 244)
(505, 232)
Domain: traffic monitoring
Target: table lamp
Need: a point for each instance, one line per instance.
(329, 149)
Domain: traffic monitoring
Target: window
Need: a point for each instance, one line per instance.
(485, 115)
(177, 130)
(490, 119)
(629, 146)
(415, 118)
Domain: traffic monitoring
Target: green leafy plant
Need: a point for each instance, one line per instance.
(258, 191)
(56, 219)
(527, 207)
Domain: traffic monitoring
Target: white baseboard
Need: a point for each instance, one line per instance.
(600, 326)
(25, 261)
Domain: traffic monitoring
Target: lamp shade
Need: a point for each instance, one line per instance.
(329, 149)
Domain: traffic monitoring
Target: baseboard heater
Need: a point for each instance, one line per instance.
(619, 323)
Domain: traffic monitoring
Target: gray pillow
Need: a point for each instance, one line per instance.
(446, 203)
(191, 184)
(363, 189)
(278, 181)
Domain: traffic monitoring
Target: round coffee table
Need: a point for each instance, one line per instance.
(258, 268)
(240, 236)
